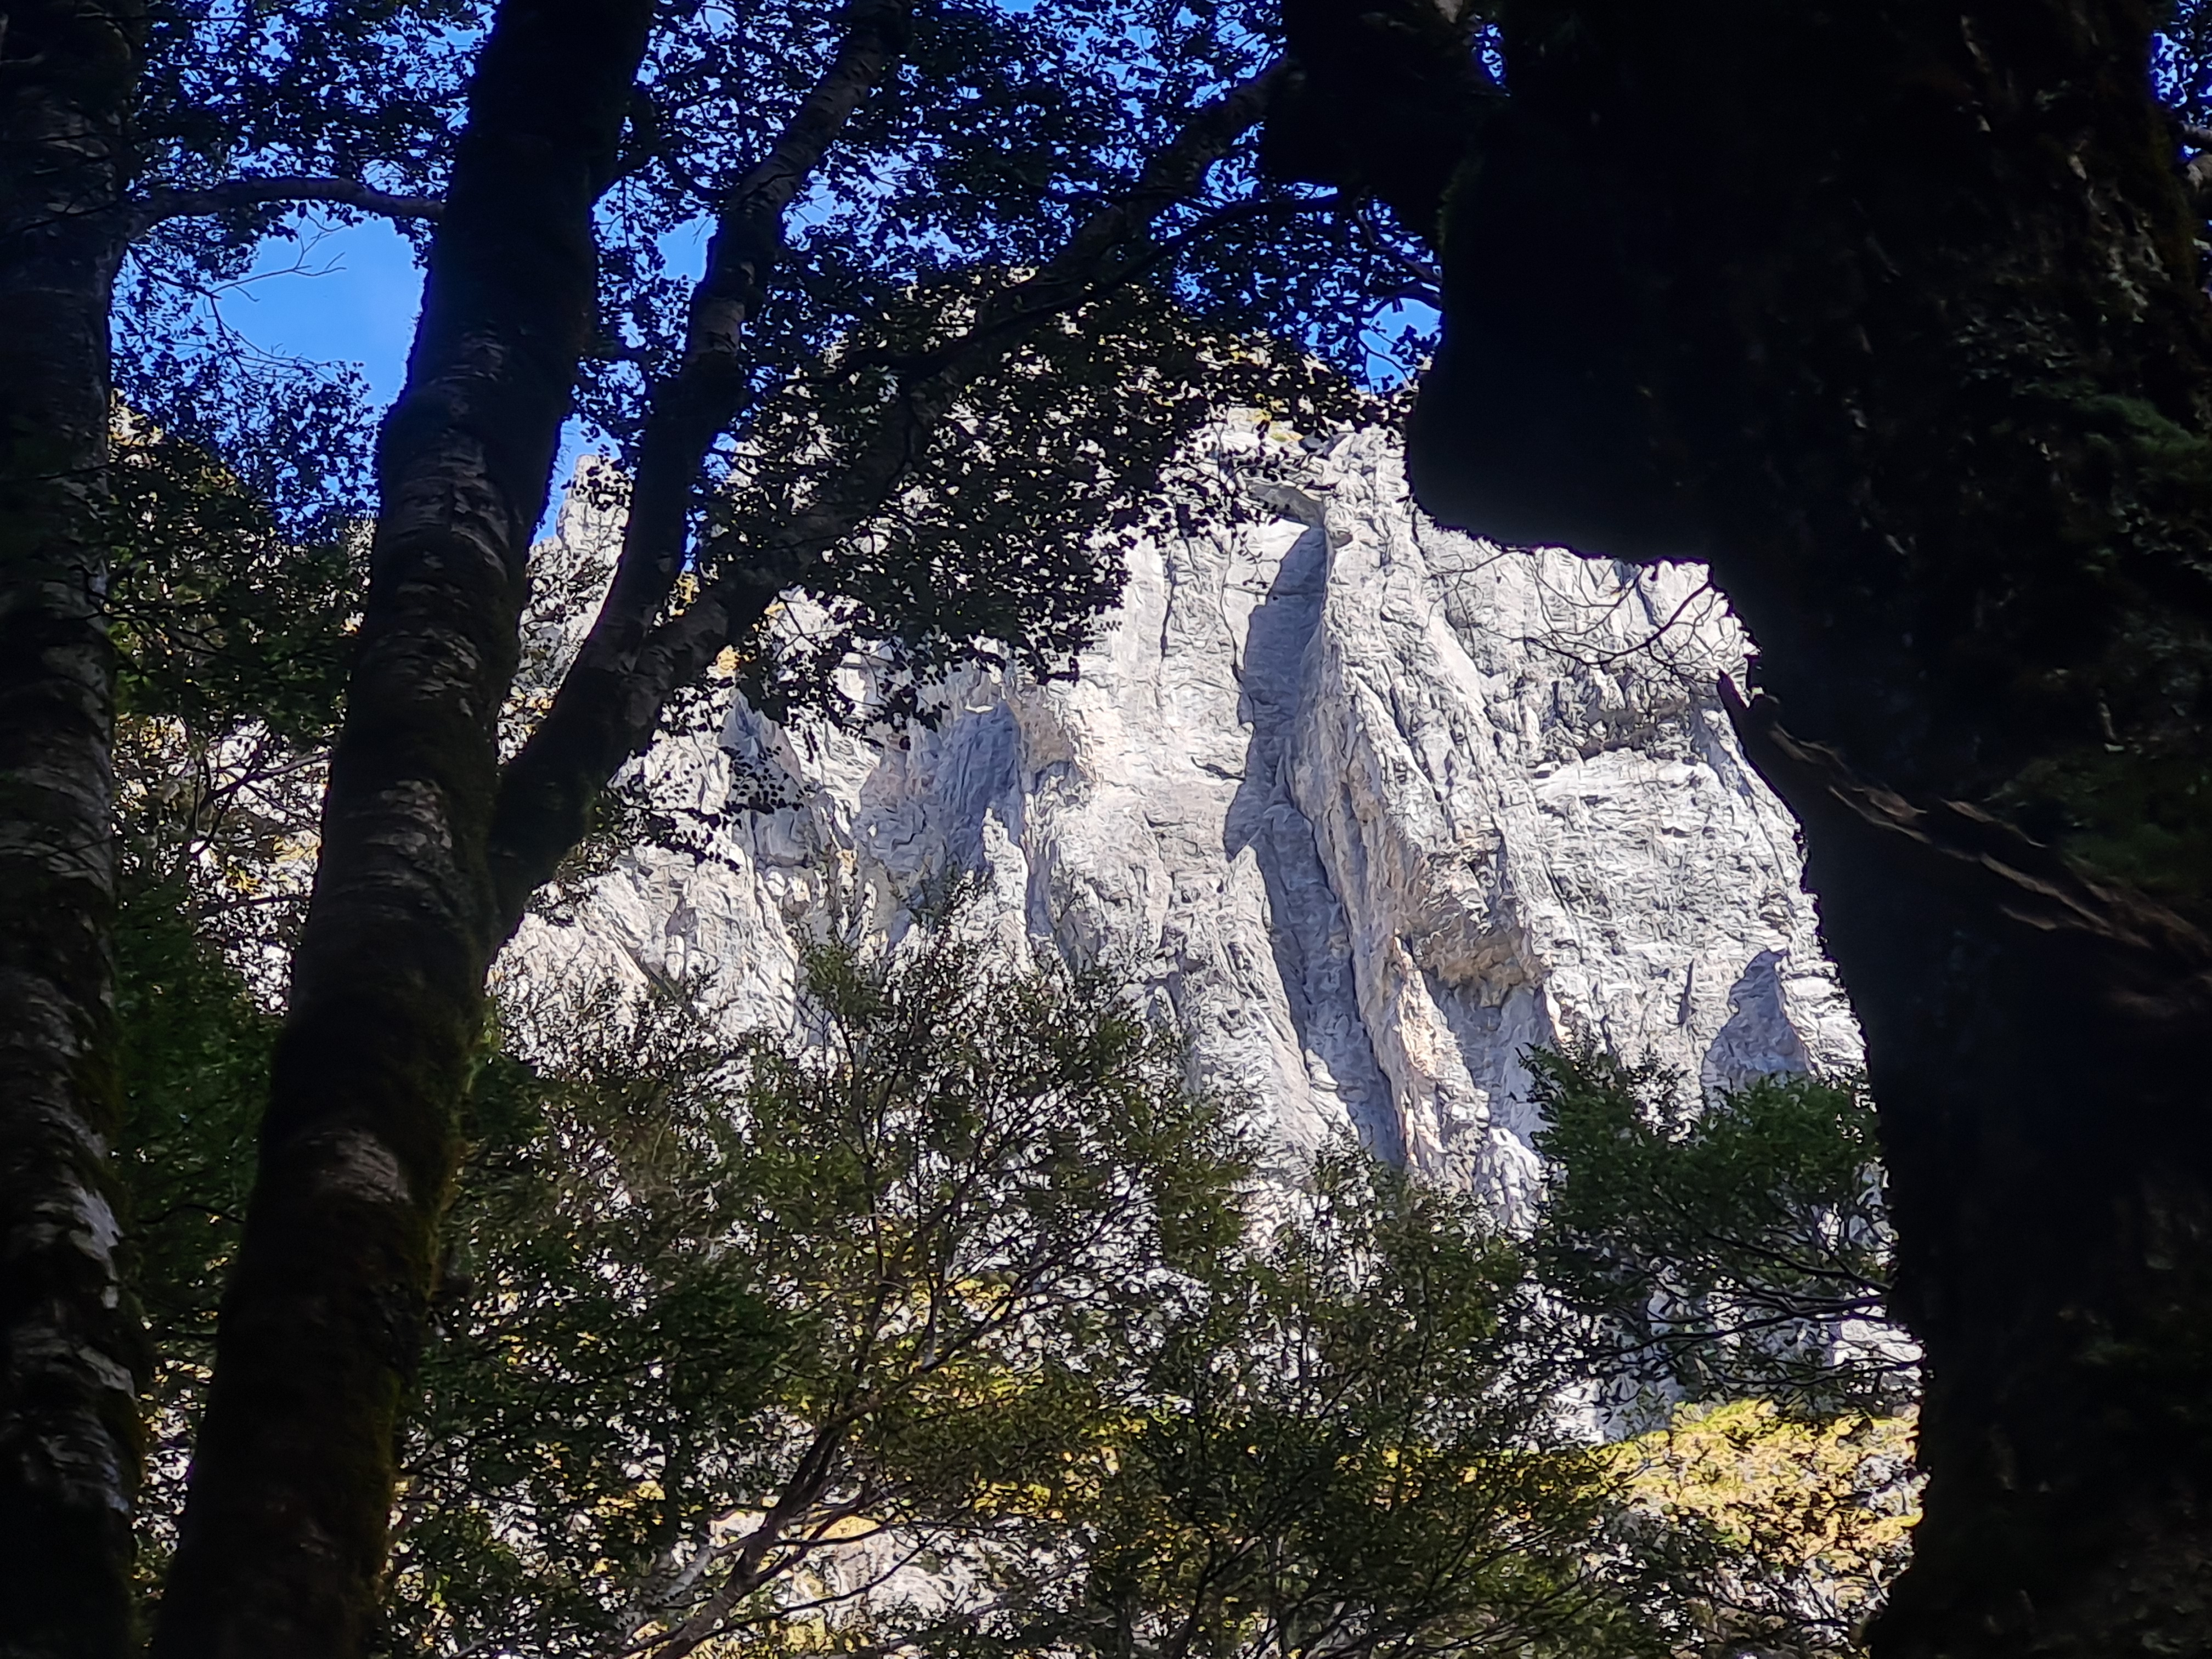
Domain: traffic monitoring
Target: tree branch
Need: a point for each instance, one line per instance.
(235, 193)
(603, 715)
(545, 801)
(1388, 97)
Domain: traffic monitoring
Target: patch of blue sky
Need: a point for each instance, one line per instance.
(347, 294)
(1396, 339)
(351, 294)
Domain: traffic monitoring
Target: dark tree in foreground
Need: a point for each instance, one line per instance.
(912, 402)
(283, 1536)
(1893, 313)
(68, 1412)
(118, 123)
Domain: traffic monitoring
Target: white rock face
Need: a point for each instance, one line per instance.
(1368, 807)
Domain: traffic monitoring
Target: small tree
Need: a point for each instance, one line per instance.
(718, 1312)
(1775, 1535)
(1342, 1444)
(1717, 1270)
(1717, 1249)
(950, 1327)
(1710, 1250)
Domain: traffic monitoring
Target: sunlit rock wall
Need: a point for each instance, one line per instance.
(1369, 808)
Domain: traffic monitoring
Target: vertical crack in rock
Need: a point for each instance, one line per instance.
(1367, 807)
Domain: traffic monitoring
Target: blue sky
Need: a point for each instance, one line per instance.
(351, 295)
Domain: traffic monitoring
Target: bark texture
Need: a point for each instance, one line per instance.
(1892, 311)
(69, 1347)
(284, 1537)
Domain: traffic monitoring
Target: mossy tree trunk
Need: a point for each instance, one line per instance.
(1893, 311)
(284, 1537)
(69, 1343)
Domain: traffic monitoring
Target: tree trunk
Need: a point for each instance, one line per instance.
(69, 1345)
(1892, 311)
(608, 703)
(283, 1538)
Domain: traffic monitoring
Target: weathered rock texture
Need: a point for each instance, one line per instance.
(1368, 807)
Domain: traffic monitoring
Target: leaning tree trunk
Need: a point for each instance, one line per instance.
(284, 1537)
(1892, 311)
(69, 1343)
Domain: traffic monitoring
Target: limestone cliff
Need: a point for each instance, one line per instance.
(1368, 807)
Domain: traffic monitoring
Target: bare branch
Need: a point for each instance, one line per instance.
(235, 193)
(753, 1568)
(1703, 590)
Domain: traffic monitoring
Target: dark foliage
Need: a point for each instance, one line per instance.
(222, 620)
(192, 1065)
(365, 90)
(1717, 1249)
(2181, 62)
(1010, 538)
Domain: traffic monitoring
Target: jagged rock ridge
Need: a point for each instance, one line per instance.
(1368, 807)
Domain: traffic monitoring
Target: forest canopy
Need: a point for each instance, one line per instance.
(954, 1323)
(275, 736)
